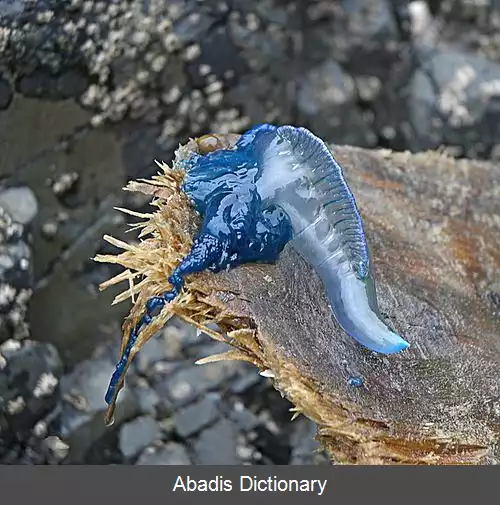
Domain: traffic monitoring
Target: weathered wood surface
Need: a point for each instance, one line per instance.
(433, 224)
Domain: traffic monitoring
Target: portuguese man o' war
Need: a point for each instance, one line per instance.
(279, 185)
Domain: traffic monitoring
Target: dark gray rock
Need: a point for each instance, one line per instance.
(274, 447)
(170, 454)
(138, 434)
(70, 84)
(243, 417)
(326, 101)
(29, 388)
(82, 420)
(193, 25)
(167, 345)
(16, 279)
(246, 378)
(193, 418)
(304, 446)
(187, 384)
(370, 20)
(455, 101)
(148, 400)
(206, 349)
(217, 445)
(5, 94)
(11, 7)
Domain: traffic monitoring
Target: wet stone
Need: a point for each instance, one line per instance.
(82, 419)
(328, 87)
(20, 203)
(207, 349)
(170, 454)
(274, 447)
(193, 26)
(16, 279)
(243, 417)
(454, 100)
(138, 434)
(29, 385)
(148, 400)
(217, 445)
(220, 53)
(5, 94)
(196, 416)
(41, 84)
(304, 445)
(184, 386)
(246, 378)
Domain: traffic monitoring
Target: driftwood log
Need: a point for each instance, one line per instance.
(433, 226)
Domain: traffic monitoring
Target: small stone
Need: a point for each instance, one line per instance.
(171, 454)
(186, 385)
(49, 229)
(5, 94)
(20, 203)
(57, 447)
(245, 380)
(138, 434)
(65, 183)
(193, 418)
(82, 420)
(40, 429)
(304, 445)
(243, 417)
(148, 400)
(217, 445)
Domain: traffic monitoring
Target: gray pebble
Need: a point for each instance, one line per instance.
(20, 203)
(138, 434)
(217, 445)
(170, 454)
(193, 418)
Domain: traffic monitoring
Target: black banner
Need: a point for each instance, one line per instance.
(138, 485)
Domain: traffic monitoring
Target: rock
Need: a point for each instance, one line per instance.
(170, 454)
(304, 446)
(454, 101)
(82, 420)
(42, 84)
(16, 279)
(11, 7)
(5, 94)
(20, 203)
(189, 383)
(167, 345)
(370, 21)
(29, 388)
(193, 26)
(194, 417)
(328, 88)
(274, 447)
(243, 417)
(217, 445)
(203, 350)
(138, 434)
(246, 378)
(148, 400)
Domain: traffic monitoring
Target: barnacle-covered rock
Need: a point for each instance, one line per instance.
(16, 278)
(437, 268)
(29, 391)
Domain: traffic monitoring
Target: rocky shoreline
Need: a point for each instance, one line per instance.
(91, 92)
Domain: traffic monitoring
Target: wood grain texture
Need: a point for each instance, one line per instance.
(433, 225)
